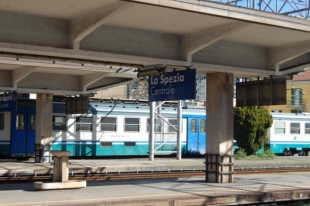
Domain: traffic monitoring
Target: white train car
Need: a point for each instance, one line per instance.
(289, 134)
(117, 129)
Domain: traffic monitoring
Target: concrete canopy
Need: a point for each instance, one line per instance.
(79, 47)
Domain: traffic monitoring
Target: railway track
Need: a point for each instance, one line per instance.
(141, 175)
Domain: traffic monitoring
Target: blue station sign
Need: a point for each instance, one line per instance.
(8, 102)
(176, 85)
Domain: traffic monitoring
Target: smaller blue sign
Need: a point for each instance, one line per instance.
(8, 102)
(177, 85)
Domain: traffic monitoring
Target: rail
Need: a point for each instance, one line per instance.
(104, 176)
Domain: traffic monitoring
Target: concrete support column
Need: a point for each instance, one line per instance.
(219, 156)
(44, 115)
(61, 166)
(60, 174)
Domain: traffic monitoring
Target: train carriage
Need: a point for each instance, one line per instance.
(17, 131)
(108, 129)
(289, 134)
(5, 134)
(122, 129)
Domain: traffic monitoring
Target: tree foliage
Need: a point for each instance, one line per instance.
(250, 127)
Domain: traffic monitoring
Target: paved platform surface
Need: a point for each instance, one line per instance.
(245, 189)
(143, 164)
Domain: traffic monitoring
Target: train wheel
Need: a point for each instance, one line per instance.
(287, 152)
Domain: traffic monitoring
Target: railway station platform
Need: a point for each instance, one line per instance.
(247, 189)
(13, 167)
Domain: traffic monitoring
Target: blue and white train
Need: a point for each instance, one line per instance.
(289, 134)
(108, 129)
(121, 129)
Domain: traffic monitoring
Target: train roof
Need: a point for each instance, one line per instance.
(290, 116)
(138, 109)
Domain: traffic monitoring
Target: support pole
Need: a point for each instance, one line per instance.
(159, 121)
(179, 119)
(257, 92)
(151, 131)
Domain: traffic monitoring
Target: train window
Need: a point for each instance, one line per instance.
(32, 122)
(202, 125)
(83, 124)
(108, 124)
(129, 144)
(106, 144)
(307, 128)
(157, 126)
(132, 124)
(59, 123)
(295, 128)
(193, 125)
(279, 128)
(173, 122)
(20, 121)
(1, 121)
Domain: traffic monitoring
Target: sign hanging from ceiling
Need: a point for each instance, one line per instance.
(8, 102)
(76, 105)
(261, 92)
(176, 85)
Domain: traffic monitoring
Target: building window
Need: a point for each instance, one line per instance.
(59, 123)
(84, 124)
(193, 125)
(132, 124)
(295, 128)
(106, 144)
(307, 128)
(157, 126)
(129, 144)
(20, 121)
(33, 122)
(296, 94)
(1, 121)
(279, 128)
(108, 124)
(173, 122)
(202, 126)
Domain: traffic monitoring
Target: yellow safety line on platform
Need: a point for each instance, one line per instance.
(159, 195)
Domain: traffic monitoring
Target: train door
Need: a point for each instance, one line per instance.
(23, 133)
(196, 136)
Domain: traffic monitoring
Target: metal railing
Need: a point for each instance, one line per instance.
(294, 8)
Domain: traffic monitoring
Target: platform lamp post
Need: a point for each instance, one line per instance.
(179, 127)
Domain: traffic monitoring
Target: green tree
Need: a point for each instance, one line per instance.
(250, 127)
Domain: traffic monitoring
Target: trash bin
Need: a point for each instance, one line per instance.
(42, 153)
(38, 153)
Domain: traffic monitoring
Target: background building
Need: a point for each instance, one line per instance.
(297, 94)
